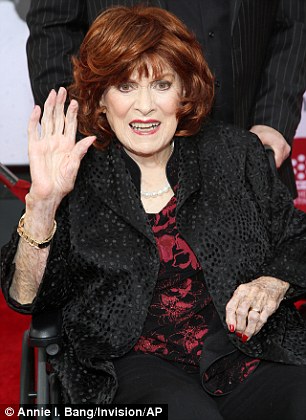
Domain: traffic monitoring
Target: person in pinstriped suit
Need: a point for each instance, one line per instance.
(255, 48)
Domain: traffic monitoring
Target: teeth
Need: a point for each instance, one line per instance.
(144, 126)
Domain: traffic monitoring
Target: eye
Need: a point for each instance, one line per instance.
(126, 87)
(162, 85)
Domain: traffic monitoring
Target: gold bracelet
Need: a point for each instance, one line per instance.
(32, 242)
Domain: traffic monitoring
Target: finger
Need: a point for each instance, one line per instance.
(230, 312)
(278, 156)
(257, 301)
(242, 312)
(269, 307)
(76, 155)
(285, 152)
(59, 117)
(33, 134)
(81, 147)
(262, 320)
(281, 152)
(253, 324)
(47, 118)
(71, 120)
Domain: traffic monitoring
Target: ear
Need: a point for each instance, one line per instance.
(183, 92)
(102, 104)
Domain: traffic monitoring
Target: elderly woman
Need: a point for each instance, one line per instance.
(170, 247)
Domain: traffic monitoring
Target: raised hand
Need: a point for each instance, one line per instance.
(54, 155)
(252, 303)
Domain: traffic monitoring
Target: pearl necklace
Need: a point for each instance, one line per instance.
(153, 194)
(165, 189)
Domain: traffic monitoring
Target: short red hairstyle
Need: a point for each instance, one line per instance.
(122, 40)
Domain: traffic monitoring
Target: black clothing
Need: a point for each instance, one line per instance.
(103, 263)
(211, 22)
(273, 392)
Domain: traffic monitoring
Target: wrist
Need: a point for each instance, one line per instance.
(35, 242)
(47, 206)
(39, 217)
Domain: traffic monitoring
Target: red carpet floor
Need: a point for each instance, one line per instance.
(12, 326)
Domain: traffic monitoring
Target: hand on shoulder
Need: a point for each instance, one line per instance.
(271, 137)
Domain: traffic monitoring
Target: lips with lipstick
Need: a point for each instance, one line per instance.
(144, 127)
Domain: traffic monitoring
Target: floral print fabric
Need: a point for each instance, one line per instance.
(175, 325)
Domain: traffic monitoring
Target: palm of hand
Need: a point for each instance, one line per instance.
(54, 156)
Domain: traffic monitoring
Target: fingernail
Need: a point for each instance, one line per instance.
(90, 140)
(231, 328)
(239, 334)
(244, 338)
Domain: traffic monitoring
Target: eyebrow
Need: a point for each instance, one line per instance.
(162, 76)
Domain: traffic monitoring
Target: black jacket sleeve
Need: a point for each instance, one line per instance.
(57, 29)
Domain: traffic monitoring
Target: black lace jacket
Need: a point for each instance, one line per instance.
(103, 263)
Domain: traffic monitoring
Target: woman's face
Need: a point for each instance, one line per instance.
(142, 111)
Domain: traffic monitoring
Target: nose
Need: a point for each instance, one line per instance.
(144, 101)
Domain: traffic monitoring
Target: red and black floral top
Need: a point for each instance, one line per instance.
(182, 313)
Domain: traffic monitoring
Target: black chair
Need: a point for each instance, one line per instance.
(38, 383)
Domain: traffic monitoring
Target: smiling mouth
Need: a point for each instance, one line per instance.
(144, 127)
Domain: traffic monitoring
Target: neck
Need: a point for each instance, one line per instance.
(156, 161)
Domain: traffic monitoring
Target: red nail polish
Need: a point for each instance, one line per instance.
(231, 328)
(244, 338)
(239, 334)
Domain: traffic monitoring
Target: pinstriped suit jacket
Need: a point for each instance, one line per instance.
(268, 40)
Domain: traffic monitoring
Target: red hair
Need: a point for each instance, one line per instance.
(122, 40)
